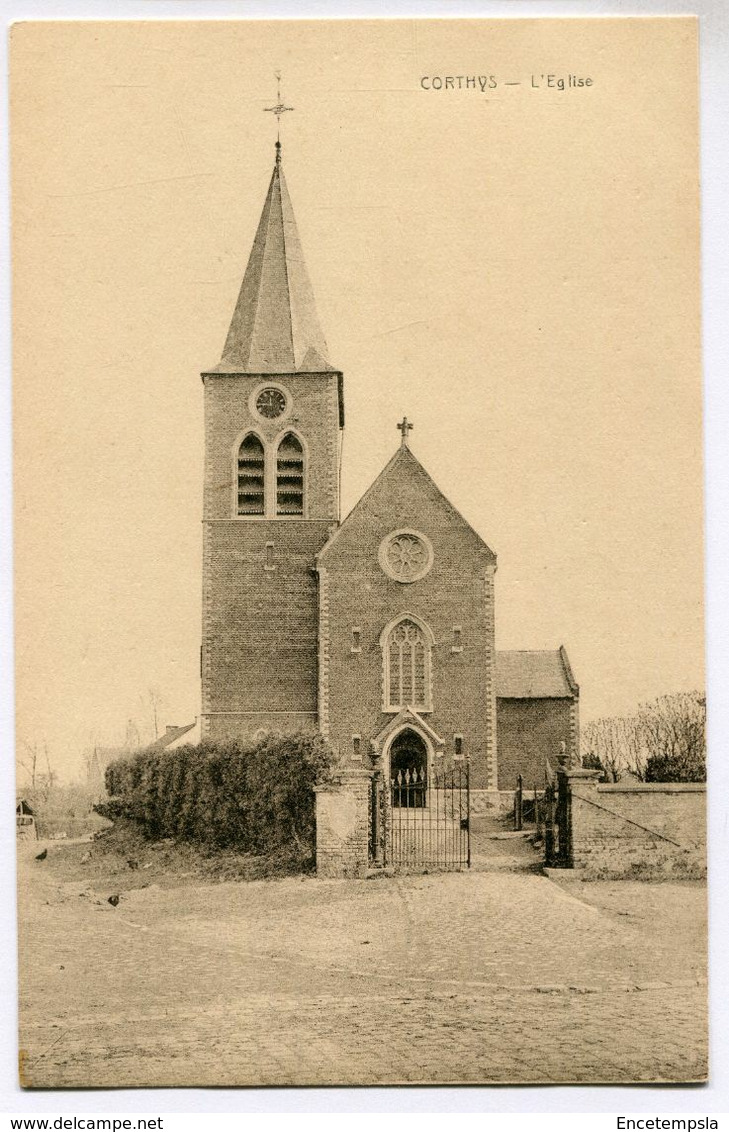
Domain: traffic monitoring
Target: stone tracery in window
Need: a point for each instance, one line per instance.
(407, 667)
(405, 555)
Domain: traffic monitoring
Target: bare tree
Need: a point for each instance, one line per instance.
(132, 738)
(612, 744)
(674, 730)
(664, 740)
(30, 762)
(51, 776)
(154, 698)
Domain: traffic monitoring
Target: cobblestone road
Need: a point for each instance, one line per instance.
(483, 977)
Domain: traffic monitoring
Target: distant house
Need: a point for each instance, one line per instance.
(103, 756)
(175, 736)
(25, 826)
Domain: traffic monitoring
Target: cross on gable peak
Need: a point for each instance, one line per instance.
(405, 426)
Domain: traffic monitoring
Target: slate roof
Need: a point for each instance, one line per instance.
(534, 675)
(171, 734)
(275, 327)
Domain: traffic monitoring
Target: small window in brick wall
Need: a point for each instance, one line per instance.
(357, 747)
(356, 639)
(457, 645)
(458, 746)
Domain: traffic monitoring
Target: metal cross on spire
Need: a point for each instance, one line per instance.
(405, 427)
(278, 110)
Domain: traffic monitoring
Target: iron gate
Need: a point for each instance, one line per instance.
(420, 820)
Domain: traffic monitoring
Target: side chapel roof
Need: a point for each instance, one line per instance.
(534, 674)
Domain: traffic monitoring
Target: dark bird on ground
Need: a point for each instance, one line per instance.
(41, 856)
(114, 900)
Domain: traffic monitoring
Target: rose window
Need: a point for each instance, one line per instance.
(406, 556)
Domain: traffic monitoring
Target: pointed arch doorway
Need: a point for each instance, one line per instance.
(409, 770)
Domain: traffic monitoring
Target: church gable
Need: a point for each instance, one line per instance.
(407, 625)
(405, 499)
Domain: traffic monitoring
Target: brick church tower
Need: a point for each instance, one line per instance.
(273, 418)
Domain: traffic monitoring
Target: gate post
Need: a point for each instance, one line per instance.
(518, 803)
(378, 817)
(570, 844)
(549, 824)
(342, 824)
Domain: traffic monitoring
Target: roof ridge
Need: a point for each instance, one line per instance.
(278, 173)
(267, 203)
(532, 651)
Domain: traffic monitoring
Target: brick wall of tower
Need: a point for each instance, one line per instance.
(260, 626)
(260, 601)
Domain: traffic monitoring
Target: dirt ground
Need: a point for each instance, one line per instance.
(498, 975)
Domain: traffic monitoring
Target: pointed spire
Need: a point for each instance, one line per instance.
(275, 327)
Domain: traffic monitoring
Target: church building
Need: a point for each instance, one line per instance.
(378, 630)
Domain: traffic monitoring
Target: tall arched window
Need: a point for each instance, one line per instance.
(406, 656)
(251, 476)
(290, 477)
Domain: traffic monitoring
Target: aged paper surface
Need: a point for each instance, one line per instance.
(499, 225)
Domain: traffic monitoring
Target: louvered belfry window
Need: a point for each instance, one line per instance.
(251, 478)
(290, 477)
(407, 658)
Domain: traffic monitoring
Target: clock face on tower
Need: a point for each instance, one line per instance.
(270, 403)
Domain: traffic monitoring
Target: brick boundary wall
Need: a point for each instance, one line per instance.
(634, 829)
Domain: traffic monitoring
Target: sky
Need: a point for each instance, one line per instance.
(516, 269)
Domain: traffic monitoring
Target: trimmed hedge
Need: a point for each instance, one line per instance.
(257, 798)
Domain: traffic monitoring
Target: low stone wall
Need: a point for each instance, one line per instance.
(342, 825)
(656, 829)
(491, 802)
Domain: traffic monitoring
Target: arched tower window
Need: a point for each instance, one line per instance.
(406, 656)
(290, 477)
(251, 476)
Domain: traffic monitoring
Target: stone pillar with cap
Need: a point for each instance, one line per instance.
(579, 787)
(342, 824)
